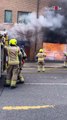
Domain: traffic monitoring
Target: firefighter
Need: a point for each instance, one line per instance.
(22, 61)
(12, 60)
(2, 51)
(6, 39)
(65, 59)
(24, 56)
(41, 57)
(1, 39)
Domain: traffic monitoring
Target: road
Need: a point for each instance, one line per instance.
(43, 96)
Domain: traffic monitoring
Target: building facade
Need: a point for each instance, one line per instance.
(11, 12)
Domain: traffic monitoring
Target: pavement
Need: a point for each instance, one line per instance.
(31, 67)
(49, 64)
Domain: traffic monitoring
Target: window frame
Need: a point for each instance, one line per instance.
(22, 12)
(5, 16)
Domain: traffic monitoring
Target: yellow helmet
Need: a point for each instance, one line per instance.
(41, 50)
(13, 42)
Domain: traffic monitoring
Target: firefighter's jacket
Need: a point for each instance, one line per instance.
(65, 54)
(2, 41)
(41, 57)
(5, 40)
(13, 53)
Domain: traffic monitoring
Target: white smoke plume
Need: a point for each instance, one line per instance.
(49, 19)
(62, 0)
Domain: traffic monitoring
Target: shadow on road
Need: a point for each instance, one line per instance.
(2, 80)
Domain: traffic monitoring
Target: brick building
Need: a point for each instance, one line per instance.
(10, 12)
(14, 8)
(17, 6)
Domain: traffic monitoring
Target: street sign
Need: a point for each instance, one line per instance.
(53, 8)
(56, 8)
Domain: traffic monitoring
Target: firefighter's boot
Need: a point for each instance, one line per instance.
(20, 79)
(7, 83)
(13, 84)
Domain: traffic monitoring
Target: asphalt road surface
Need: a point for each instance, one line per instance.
(43, 96)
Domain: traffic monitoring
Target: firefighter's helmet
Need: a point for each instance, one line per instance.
(13, 42)
(41, 50)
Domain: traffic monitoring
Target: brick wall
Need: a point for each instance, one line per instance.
(16, 5)
(20, 5)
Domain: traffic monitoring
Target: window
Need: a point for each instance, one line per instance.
(8, 16)
(22, 17)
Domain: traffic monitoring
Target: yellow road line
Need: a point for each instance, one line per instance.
(26, 107)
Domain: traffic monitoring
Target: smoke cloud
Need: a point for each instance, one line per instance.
(49, 19)
(62, 0)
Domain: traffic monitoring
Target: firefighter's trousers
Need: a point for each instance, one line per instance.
(41, 66)
(20, 78)
(11, 77)
(65, 63)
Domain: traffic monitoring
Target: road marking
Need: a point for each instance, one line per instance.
(26, 107)
(60, 84)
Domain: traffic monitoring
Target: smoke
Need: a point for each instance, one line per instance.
(49, 19)
(62, 0)
(58, 34)
(21, 31)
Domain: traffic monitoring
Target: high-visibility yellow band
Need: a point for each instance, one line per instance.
(13, 82)
(13, 62)
(7, 81)
(26, 107)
